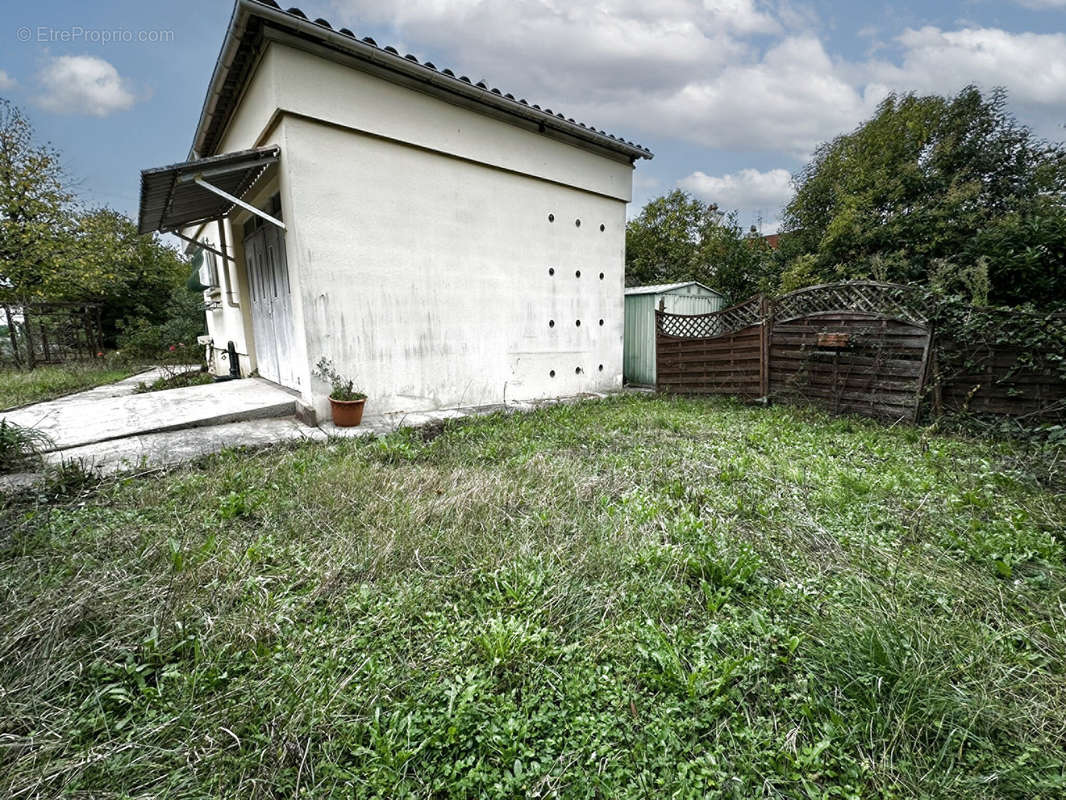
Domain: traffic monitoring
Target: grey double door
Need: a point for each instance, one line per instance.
(268, 280)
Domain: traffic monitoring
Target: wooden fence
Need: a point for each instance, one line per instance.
(717, 353)
(50, 333)
(998, 379)
(859, 347)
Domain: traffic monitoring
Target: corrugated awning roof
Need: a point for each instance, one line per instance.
(171, 198)
(662, 288)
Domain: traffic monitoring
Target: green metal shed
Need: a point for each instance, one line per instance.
(638, 354)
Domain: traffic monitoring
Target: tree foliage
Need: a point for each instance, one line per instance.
(950, 192)
(54, 250)
(133, 275)
(34, 226)
(677, 237)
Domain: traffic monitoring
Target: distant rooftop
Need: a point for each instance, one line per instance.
(663, 288)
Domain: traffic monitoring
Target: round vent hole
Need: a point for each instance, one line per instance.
(577, 223)
(551, 374)
(603, 228)
(551, 323)
(551, 218)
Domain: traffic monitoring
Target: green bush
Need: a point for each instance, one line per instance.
(142, 340)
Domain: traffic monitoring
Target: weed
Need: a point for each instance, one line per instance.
(20, 446)
(177, 380)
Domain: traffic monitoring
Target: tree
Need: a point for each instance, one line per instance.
(664, 243)
(33, 212)
(934, 190)
(132, 275)
(677, 238)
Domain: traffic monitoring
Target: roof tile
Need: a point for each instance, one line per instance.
(296, 12)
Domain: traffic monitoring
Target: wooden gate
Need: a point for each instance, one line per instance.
(860, 347)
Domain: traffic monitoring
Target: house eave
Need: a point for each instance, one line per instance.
(217, 110)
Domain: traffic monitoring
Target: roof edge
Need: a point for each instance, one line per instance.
(441, 81)
(660, 288)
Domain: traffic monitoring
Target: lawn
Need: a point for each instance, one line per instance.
(636, 597)
(19, 387)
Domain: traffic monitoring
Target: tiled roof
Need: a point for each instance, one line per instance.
(409, 64)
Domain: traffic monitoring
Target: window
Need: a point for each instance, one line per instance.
(206, 265)
(209, 272)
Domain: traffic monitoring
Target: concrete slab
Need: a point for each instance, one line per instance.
(169, 448)
(90, 417)
(153, 449)
(128, 386)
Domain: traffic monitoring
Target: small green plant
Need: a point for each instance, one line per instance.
(341, 388)
(177, 380)
(19, 445)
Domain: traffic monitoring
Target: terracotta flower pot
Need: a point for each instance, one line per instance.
(347, 413)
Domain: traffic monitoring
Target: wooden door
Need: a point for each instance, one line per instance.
(271, 300)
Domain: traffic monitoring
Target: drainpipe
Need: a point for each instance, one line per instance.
(226, 264)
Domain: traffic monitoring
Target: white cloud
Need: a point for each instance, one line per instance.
(748, 188)
(1032, 66)
(6, 81)
(746, 75)
(1042, 4)
(791, 99)
(84, 85)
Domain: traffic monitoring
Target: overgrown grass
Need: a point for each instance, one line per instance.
(639, 597)
(19, 446)
(19, 387)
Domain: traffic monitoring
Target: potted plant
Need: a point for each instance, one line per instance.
(345, 403)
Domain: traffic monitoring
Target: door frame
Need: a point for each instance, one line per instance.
(261, 237)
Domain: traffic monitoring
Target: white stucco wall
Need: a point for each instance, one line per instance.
(423, 271)
(427, 278)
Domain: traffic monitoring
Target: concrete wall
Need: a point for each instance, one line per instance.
(311, 85)
(419, 243)
(429, 280)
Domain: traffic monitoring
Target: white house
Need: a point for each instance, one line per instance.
(443, 242)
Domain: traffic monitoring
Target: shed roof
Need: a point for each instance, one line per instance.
(171, 198)
(244, 36)
(666, 288)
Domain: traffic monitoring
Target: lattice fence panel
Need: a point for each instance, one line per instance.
(717, 323)
(883, 299)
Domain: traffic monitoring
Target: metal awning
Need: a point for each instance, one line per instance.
(203, 190)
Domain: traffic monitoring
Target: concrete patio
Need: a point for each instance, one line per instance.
(99, 415)
(111, 429)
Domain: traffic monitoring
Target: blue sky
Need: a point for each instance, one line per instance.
(732, 95)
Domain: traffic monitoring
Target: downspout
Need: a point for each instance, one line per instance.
(225, 264)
